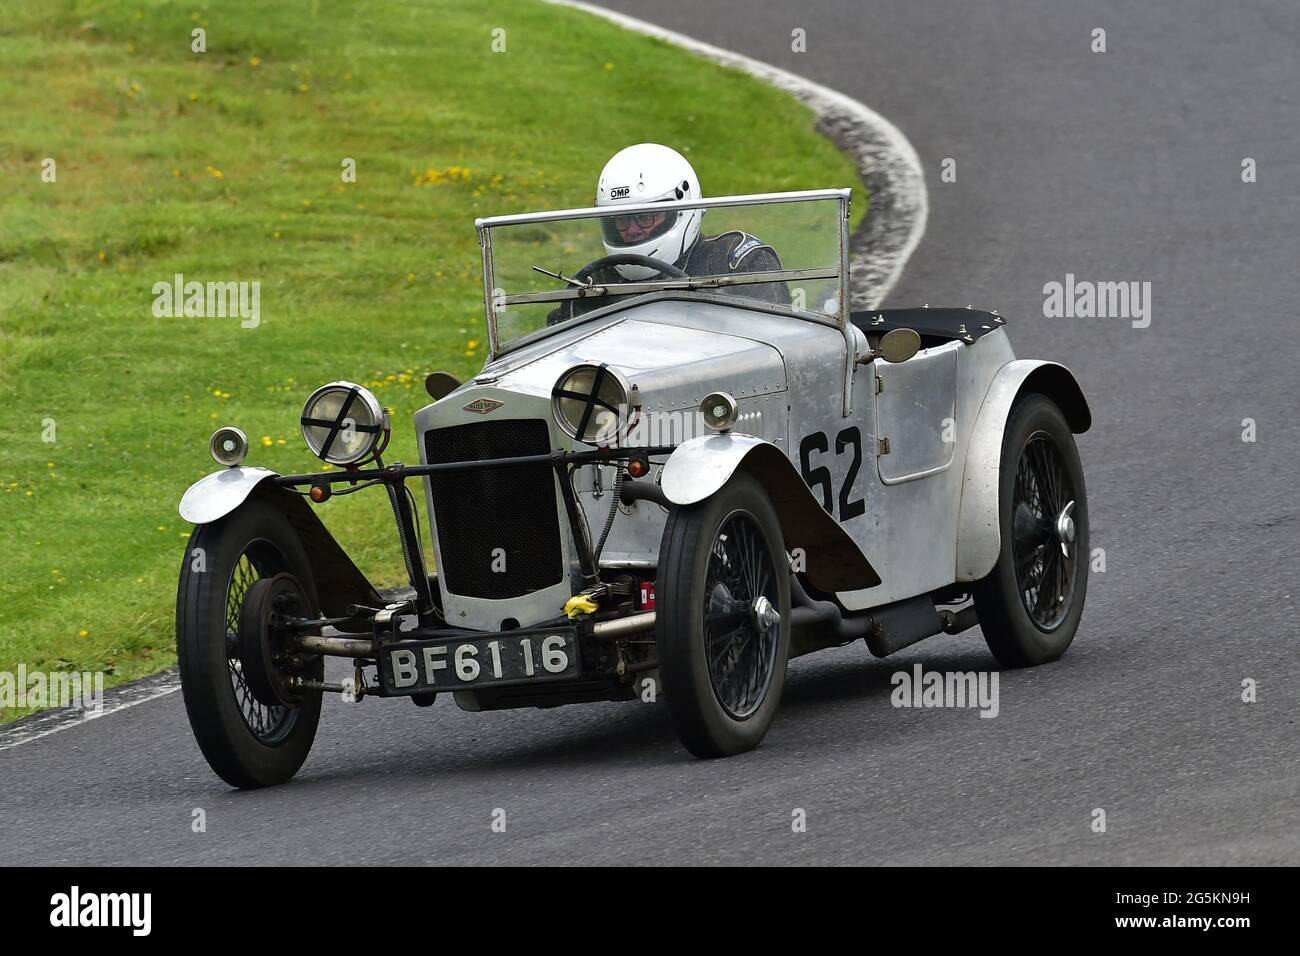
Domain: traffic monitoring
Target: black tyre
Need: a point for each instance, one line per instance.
(1030, 604)
(248, 743)
(723, 573)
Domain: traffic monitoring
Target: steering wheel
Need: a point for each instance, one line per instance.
(628, 259)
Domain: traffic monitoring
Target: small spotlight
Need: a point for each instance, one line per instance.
(638, 467)
(228, 446)
(319, 493)
(719, 411)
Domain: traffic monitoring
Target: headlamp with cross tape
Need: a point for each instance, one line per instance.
(344, 424)
(591, 404)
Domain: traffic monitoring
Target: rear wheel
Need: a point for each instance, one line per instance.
(244, 567)
(723, 622)
(1030, 604)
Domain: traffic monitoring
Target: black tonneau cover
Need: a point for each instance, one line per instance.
(935, 326)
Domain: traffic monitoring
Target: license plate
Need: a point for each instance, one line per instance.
(501, 660)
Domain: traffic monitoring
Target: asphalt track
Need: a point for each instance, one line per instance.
(1116, 166)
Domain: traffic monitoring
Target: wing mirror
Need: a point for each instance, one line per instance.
(897, 345)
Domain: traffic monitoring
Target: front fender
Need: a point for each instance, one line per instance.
(220, 493)
(978, 536)
(701, 466)
(339, 582)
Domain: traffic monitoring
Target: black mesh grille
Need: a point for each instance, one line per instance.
(513, 509)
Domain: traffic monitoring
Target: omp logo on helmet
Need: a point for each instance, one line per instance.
(620, 192)
(483, 405)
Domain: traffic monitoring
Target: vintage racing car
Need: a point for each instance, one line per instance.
(662, 486)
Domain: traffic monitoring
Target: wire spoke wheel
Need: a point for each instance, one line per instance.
(1031, 600)
(228, 642)
(269, 724)
(1046, 566)
(722, 628)
(741, 652)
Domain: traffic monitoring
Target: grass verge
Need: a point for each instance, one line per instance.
(226, 166)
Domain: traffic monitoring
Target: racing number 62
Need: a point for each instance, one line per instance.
(820, 477)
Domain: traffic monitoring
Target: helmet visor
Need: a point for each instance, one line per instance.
(638, 228)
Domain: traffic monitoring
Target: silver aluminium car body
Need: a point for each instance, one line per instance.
(906, 455)
(885, 475)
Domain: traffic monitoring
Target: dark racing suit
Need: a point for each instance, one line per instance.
(718, 255)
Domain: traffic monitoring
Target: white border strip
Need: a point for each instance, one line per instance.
(886, 161)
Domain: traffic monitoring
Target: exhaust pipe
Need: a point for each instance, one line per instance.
(335, 646)
(886, 630)
(623, 626)
(954, 622)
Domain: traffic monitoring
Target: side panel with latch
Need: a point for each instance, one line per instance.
(916, 414)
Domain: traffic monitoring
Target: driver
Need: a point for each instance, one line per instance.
(648, 173)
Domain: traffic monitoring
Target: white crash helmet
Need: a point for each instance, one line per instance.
(648, 173)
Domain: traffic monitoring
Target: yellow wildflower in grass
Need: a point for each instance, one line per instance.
(215, 173)
(433, 177)
(83, 633)
(254, 61)
(303, 87)
(102, 255)
(194, 97)
(609, 67)
(267, 441)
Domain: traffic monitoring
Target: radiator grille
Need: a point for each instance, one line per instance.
(477, 512)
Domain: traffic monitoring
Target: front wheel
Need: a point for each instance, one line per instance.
(1030, 604)
(723, 622)
(233, 568)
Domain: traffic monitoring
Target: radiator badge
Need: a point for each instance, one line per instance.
(483, 405)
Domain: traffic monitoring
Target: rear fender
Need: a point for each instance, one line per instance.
(978, 535)
(698, 468)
